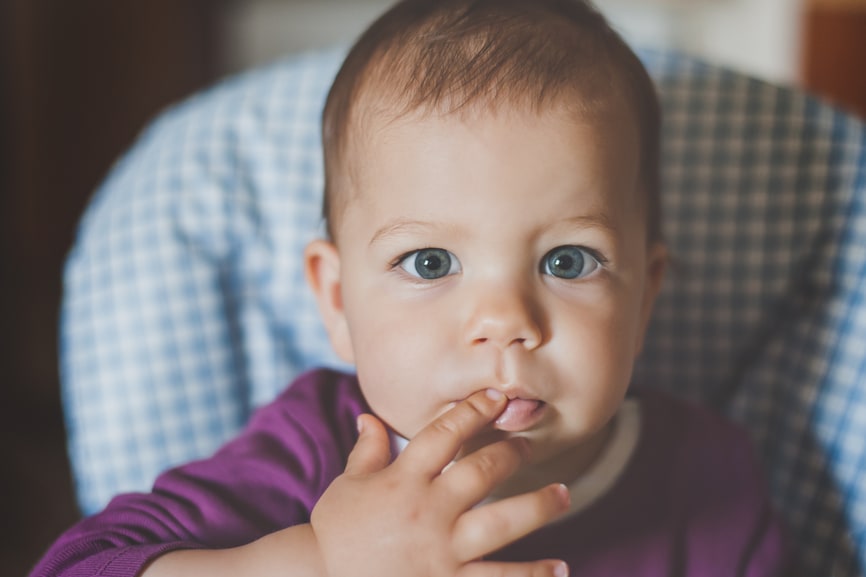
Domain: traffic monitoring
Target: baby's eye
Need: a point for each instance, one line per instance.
(430, 263)
(569, 262)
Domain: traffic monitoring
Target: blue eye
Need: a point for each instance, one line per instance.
(569, 262)
(430, 263)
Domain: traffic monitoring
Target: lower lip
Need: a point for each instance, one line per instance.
(520, 415)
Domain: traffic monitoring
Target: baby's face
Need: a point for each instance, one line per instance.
(504, 251)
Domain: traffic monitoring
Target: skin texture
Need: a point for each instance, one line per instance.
(503, 376)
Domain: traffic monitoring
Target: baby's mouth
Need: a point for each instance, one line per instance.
(520, 414)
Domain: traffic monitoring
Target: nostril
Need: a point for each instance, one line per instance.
(483, 340)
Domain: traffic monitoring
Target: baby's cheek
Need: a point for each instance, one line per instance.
(394, 405)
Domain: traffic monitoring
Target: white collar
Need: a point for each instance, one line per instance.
(608, 467)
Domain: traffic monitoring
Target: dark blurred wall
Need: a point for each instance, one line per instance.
(78, 80)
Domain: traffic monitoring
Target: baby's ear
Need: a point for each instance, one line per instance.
(657, 263)
(322, 268)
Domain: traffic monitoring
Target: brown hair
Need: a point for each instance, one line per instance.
(449, 55)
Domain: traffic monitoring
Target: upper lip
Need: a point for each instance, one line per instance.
(513, 392)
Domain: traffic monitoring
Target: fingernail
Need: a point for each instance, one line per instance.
(494, 395)
(564, 495)
(359, 423)
(561, 569)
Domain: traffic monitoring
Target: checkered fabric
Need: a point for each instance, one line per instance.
(763, 314)
(185, 305)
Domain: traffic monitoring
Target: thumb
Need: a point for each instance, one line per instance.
(372, 451)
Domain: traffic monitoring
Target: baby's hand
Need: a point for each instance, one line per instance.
(412, 518)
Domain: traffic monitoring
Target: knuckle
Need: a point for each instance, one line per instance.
(510, 454)
(446, 426)
(479, 477)
(486, 466)
(479, 405)
(470, 535)
(494, 522)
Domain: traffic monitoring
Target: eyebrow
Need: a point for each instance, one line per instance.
(599, 220)
(403, 226)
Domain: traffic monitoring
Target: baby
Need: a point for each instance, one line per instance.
(494, 250)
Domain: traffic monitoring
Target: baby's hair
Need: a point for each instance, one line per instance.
(465, 56)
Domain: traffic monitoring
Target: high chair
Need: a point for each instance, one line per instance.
(185, 306)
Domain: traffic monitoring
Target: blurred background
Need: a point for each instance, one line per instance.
(78, 81)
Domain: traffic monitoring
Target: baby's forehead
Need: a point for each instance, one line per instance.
(382, 122)
(379, 120)
(425, 143)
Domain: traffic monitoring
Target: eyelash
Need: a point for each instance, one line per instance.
(395, 263)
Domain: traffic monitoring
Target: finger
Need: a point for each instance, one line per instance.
(372, 451)
(545, 568)
(438, 443)
(485, 529)
(471, 479)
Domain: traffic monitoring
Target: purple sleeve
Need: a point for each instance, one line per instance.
(266, 479)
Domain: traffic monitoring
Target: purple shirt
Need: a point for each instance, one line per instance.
(692, 500)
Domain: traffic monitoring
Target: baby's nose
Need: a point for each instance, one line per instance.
(505, 318)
